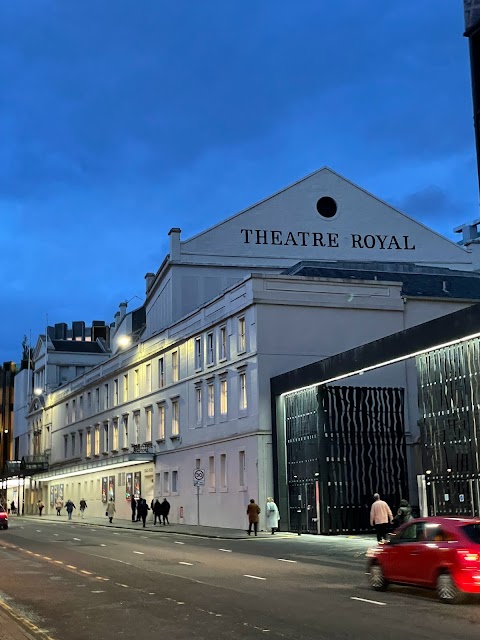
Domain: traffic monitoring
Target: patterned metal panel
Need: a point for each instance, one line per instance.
(471, 10)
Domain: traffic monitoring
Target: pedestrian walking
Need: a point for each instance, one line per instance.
(40, 506)
(142, 510)
(157, 512)
(133, 505)
(110, 512)
(58, 505)
(253, 513)
(69, 506)
(404, 513)
(139, 502)
(273, 516)
(165, 511)
(380, 517)
(83, 506)
(12, 507)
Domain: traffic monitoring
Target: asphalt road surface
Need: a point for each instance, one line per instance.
(81, 582)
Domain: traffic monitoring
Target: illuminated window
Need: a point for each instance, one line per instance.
(223, 397)
(175, 366)
(148, 377)
(89, 444)
(136, 426)
(210, 400)
(97, 440)
(242, 337)
(175, 418)
(161, 422)
(115, 435)
(125, 387)
(126, 442)
(136, 383)
(148, 415)
(243, 390)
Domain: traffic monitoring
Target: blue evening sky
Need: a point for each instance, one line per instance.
(122, 118)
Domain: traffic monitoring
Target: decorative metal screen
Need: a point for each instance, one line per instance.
(343, 445)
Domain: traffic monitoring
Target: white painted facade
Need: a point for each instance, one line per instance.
(221, 320)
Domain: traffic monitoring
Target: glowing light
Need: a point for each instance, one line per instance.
(124, 341)
(38, 391)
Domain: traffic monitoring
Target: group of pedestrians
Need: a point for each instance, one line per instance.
(159, 509)
(381, 516)
(254, 511)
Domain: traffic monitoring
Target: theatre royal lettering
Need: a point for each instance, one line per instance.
(329, 240)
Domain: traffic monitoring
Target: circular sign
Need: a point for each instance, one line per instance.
(198, 474)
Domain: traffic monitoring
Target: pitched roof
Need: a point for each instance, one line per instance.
(417, 281)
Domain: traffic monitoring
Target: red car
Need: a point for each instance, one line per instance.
(3, 518)
(440, 553)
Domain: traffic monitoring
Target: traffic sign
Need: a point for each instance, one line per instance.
(199, 477)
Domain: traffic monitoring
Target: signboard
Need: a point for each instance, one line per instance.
(199, 477)
(111, 487)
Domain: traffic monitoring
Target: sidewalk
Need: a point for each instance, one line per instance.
(184, 529)
(14, 627)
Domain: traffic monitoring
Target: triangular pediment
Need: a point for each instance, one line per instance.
(324, 217)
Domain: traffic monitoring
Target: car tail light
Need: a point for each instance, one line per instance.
(468, 556)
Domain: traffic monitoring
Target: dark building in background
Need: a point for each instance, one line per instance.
(7, 376)
(472, 32)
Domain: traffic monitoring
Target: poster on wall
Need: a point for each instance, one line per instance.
(104, 489)
(128, 486)
(111, 487)
(137, 484)
(52, 496)
(55, 493)
(60, 492)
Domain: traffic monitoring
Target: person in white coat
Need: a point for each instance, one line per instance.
(273, 515)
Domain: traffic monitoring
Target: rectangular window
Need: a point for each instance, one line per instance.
(175, 481)
(89, 444)
(89, 402)
(148, 377)
(223, 471)
(175, 366)
(125, 387)
(198, 462)
(115, 435)
(161, 422)
(210, 348)
(210, 400)
(80, 408)
(198, 393)
(74, 410)
(65, 447)
(175, 418)
(97, 400)
(166, 482)
(243, 391)
(223, 343)
(106, 399)
(115, 392)
(136, 383)
(73, 445)
(161, 373)
(223, 397)
(211, 473)
(198, 353)
(67, 413)
(136, 426)
(80, 442)
(106, 443)
(242, 337)
(97, 440)
(241, 468)
(125, 432)
(148, 415)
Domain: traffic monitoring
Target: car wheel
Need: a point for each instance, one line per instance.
(5, 526)
(376, 578)
(447, 590)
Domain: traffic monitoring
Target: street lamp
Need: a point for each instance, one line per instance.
(38, 391)
(124, 341)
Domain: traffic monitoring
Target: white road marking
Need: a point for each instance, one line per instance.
(189, 564)
(55, 534)
(226, 550)
(87, 573)
(103, 545)
(71, 566)
(180, 603)
(39, 531)
(116, 534)
(98, 591)
(140, 553)
(176, 542)
(284, 560)
(245, 575)
(369, 601)
(145, 537)
(77, 539)
(151, 594)
(119, 584)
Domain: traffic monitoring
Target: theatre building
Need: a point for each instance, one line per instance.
(312, 271)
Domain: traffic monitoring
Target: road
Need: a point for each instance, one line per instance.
(79, 581)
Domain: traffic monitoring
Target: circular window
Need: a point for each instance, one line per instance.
(327, 207)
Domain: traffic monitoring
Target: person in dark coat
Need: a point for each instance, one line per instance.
(253, 513)
(133, 505)
(404, 513)
(157, 511)
(142, 510)
(165, 506)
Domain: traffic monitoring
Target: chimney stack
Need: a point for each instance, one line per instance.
(149, 280)
(175, 248)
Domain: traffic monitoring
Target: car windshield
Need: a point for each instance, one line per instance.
(472, 532)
